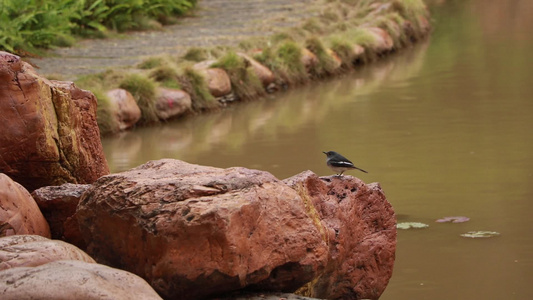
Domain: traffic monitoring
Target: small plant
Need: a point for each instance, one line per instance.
(244, 82)
(195, 54)
(344, 49)
(326, 64)
(411, 10)
(143, 90)
(313, 26)
(194, 83)
(151, 63)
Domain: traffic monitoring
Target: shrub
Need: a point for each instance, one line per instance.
(326, 64)
(194, 83)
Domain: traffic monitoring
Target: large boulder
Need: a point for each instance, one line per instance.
(58, 205)
(194, 231)
(72, 279)
(50, 135)
(19, 214)
(124, 107)
(361, 228)
(35, 250)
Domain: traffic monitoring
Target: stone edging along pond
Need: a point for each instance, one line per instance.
(342, 36)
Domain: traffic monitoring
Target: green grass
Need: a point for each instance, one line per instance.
(195, 85)
(344, 49)
(244, 82)
(196, 54)
(143, 90)
(411, 10)
(285, 60)
(326, 64)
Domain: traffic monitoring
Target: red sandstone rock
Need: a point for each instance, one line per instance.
(72, 279)
(172, 103)
(50, 135)
(336, 58)
(19, 214)
(125, 108)
(58, 205)
(309, 59)
(193, 231)
(358, 51)
(382, 40)
(34, 250)
(218, 81)
(263, 73)
(361, 228)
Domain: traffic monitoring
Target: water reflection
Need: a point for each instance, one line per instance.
(265, 120)
(444, 127)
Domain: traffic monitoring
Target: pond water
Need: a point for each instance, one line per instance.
(445, 127)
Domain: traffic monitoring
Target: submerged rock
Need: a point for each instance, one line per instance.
(194, 231)
(50, 135)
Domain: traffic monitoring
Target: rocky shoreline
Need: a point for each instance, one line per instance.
(342, 37)
(172, 230)
(197, 232)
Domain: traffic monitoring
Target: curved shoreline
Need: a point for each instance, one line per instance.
(339, 38)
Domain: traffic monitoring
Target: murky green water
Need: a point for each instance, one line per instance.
(445, 128)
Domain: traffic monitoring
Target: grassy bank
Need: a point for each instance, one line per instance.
(343, 35)
(29, 25)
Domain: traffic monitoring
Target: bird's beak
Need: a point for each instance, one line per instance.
(324, 152)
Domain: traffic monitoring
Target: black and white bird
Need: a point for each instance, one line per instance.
(339, 163)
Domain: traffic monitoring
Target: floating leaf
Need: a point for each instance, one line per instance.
(480, 234)
(458, 219)
(409, 225)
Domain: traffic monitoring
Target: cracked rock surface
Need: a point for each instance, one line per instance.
(49, 133)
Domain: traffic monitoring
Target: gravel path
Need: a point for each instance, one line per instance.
(215, 22)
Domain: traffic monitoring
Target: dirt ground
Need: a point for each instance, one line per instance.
(214, 22)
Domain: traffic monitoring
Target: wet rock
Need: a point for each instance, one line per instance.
(19, 214)
(361, 228)
(193, 231)
(71, 279)
(382, 40)
(34, 250)
(125, 108)
(52, 137)
(172, 103)
(263, 73)
(218, 81)
(58, 205)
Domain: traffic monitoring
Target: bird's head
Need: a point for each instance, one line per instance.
(329, 153)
